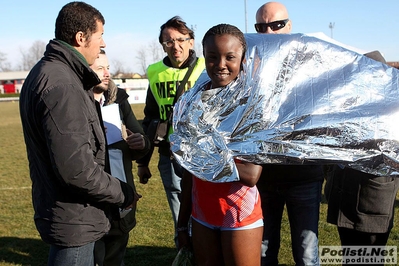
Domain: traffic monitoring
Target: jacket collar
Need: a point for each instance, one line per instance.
(75, 60)
(189, 61)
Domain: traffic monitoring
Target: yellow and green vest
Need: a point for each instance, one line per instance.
(165, 80)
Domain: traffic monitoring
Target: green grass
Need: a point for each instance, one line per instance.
(7, 95)
(151, 241)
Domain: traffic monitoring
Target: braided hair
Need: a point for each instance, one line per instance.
(227, 29)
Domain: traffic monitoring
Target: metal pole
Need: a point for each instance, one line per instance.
(331, 26)
(245, 10)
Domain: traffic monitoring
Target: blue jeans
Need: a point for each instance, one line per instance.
(171, 177)
(303, 204)
(71, 256)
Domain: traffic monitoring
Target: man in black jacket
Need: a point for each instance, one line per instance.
(361, 205)
(65, 141)
(298, 187)
(132, 144)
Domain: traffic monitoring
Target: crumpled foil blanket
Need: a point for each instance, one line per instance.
(299, 100)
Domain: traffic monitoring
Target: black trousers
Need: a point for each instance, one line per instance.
(351, 237)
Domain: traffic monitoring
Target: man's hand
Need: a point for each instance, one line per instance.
(137, 196)
(135, 141)
(184, 240)
(144, 173)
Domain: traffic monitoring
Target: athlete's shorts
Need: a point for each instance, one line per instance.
(258, 223)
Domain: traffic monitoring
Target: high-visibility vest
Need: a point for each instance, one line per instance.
(165, 80)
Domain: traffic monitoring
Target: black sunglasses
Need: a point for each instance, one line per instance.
(275, 25)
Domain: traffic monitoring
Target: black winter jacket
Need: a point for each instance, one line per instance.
(361, 201)
(66, 150)
(120, 97)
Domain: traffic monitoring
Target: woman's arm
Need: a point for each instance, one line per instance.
(249, 172)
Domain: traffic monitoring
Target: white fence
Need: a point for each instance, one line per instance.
(137, 96)
(136, 88)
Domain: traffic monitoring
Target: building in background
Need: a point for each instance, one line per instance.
(11, 82)
(136, 85)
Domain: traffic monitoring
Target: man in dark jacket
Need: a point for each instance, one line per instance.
(165, 76)
(132, 145)
(298, 187)
(65, 141)
(361, 205)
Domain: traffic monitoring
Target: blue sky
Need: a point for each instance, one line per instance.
(132, 24)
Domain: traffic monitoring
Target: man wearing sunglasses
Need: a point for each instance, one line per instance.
(296, 186)
(272, 18)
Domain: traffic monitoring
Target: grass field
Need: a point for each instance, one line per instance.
(151, 241)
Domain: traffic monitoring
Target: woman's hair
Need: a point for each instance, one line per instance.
(227, 29)
(176, 23)
(75, 17)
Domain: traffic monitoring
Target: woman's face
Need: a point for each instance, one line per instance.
(223, 55)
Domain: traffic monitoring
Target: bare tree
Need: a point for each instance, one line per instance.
(155, 51)
(142, 58)
(4, 64)
(32, 55)
(197, 45)
(198, 49)
(118, 68)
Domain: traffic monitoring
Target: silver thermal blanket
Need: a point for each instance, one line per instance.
(298, 100)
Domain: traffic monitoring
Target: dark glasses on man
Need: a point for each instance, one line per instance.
(274, 26)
